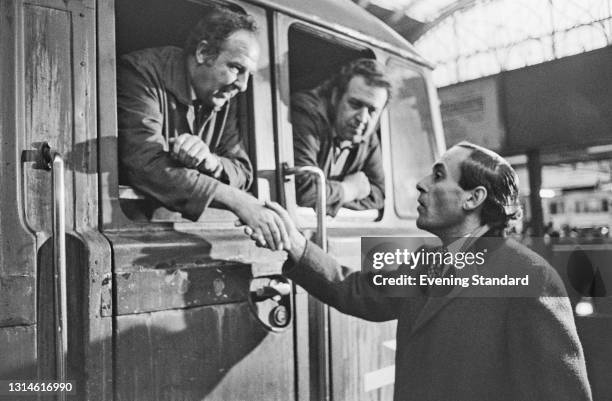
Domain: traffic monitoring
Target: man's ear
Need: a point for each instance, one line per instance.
(202, 52)
(476, 198)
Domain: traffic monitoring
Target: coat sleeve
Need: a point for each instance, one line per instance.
(143, 156)
(309, 123)
(348, 291)
(237, 169)
(373, 169)
(543, 339)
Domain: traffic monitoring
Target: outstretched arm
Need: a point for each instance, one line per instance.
(321, 275)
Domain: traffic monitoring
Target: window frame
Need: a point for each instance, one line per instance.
(306, 217)
(434, 136)
(259, 141)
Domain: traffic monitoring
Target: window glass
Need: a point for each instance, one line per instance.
(412, 142)
(553, 208)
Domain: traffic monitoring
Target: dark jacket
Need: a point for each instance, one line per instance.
(312, 117)
(475, 344)
(154, 104)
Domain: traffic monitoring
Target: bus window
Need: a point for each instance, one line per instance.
(143, 24)
(412, 137)
(314, 57)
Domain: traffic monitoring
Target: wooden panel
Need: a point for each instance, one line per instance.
(47, 65)
(153, 290)
(17, 245)
(168, 269)
(18, 352)
(16, 299)
(76, 287)
(97, 329)
(210, 353)
(138, 250)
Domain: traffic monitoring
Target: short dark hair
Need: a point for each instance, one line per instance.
(216, 26)
(374, 73)
(486, 168)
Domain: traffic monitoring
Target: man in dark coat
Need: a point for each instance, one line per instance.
(474, 343)
(178, 136)
(334, 128)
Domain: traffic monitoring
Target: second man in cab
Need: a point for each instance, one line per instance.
(334, 128)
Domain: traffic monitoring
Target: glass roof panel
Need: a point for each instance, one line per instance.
(498, 35)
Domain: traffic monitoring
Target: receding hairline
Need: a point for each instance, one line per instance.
(473, 147)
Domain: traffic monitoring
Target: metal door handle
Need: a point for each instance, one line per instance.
(321, 311)
(55, 163)
(321, 205)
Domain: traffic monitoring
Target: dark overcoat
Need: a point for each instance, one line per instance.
(476, 343)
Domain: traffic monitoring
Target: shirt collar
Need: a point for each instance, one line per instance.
(340, 143)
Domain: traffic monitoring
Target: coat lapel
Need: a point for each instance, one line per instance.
(435, 303)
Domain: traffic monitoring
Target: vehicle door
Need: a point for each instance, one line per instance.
(49, 218)
(199, 312)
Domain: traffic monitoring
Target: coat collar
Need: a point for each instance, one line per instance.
(176, 79)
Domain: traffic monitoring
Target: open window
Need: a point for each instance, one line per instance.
(313, 57)
(142, 24)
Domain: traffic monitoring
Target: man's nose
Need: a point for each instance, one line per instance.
(242, 82)
(364, 115)
(420, 186)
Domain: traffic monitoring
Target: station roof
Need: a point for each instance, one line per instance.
(412, 18)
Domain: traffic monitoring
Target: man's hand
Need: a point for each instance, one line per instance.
(296, 244)
(263, 225)
(355, 186)
(194, 153)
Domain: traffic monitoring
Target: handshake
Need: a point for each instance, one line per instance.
(269, 225)
(280, 233)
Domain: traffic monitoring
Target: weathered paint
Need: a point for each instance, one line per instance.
(47, 48)
(161, 289)
(48, 68)
(17, 246)
(215, 353)
(18, 352)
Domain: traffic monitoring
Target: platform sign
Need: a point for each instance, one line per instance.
(471, 112)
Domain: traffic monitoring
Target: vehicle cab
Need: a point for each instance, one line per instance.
(160, 307)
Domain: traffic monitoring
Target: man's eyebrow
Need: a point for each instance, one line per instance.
(362, 102)
(440, 166)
